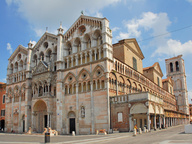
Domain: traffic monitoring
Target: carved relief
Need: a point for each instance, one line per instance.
(40, 69)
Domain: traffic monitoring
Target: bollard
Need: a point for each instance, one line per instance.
(134, 132)
(47, 137)
(73, 133)
(140, 131)
(144, 130)
(97, 132)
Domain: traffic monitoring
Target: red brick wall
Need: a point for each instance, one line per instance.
(2, 105)
(120, 108)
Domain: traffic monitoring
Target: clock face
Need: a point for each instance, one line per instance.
(82, 29)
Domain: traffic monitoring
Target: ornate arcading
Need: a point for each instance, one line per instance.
(83, 21)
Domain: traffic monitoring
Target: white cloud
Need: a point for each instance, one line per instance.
(98, 14)
(34, 42)
(115, 29)
(174, 47)
(157, 23)
(9, 2)
(3, 80)
(189, 1)
(190, 96)
(48, 13)
(9, 48)
(123, 36)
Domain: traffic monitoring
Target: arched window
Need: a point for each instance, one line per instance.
(171, 67)
(77, 45)
(3, 98)
(49, 55)
(42, 56)
(16, 67)
(69, 48)
(134, 63)
(87, 41)
(177, 65)
(11, 69)
(35, 60)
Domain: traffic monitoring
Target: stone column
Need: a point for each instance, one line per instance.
(159, 121)
(95, 54)
(90, 56)
(81, 58)
(117, 87)
(59, 107)
(48, 125)
(76, 59)
(96, 84)
(163, 121)
(85, 57)
(20, 129)
(92, 110)
(77, 109)
(67, 62)
(148, 122)
(100, 53)
(81, 87)
(28, 99)
(155, 125)
(130, 123)
(72, 61)
(108, 100)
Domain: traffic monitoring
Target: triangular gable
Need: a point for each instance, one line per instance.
(134, 47)
(157, 67)
(169, 80)
(83, 20)
(21, 49)
(40, 68)
(43, 38)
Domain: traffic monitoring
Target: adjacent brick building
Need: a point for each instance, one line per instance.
(2, 105)
(80, 81)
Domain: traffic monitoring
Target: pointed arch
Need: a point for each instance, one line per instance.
(68, 74)
(84, 69)
(77, 44)
(69, 48)
(87, 41)
(94, 73)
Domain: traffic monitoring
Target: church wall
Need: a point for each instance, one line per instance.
(149, 74)
(121, 125)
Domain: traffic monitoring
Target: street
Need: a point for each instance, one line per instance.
(172, 135)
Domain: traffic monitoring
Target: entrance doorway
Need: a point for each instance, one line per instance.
(71, 125)
(45, 121)
(39, 121)
(2, 124)
(23, 125)
(71, 116)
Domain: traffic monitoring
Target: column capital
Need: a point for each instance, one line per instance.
(90, 52)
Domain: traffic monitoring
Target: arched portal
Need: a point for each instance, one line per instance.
(71, 116)
(40, 119)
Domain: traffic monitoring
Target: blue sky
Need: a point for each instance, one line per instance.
(25, 20)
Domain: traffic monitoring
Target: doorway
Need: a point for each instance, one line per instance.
(23, 125)
(45, 121)
(71, 125)
(40, 116)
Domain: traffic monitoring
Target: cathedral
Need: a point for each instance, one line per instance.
(79, 81)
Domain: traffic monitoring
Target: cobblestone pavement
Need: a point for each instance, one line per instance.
(172, 135)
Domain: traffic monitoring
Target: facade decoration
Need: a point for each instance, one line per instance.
(79, 81)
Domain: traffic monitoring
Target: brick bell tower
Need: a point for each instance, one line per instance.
(175, 68)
